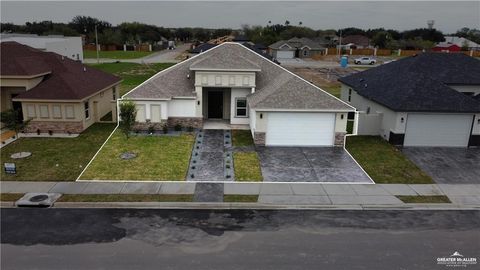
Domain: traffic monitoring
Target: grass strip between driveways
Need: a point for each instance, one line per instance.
(424, 199)
(10, 197)
(247, 167)
(385, 163)
(126, 198)
(55, 159)
(240, 198)
(158, 158)
(115, 54)
(242, 137)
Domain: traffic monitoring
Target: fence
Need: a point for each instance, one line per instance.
(136, 47)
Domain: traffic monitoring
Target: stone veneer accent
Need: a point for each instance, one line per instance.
(195, 122)
(146, 125)
(54, 126)
(339, 138)
(259, 138)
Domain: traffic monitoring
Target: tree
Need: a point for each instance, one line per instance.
(465, 45)
(287, 23)
(425, 34)
(10, 118)
(128, 113)
(380, 39)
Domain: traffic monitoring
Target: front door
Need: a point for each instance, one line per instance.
(215, 104)
(17, 106)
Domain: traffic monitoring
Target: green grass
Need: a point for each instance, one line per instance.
(385, 163)
(247, 167)
(132, 74)
(335, 89)
(126, 198)
(158, 158)
(350, 127)
(240, 198)
(115, 54)
(424, 199)
(10, 197)
(55, 159)
(242, 138)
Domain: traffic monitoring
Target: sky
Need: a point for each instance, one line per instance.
(449, 16)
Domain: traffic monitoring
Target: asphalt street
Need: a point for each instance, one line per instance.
(234, 239)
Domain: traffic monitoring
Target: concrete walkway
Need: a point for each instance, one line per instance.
(294, 194)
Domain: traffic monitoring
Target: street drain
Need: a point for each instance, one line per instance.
(38, 200)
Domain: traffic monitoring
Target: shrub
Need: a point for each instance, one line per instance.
(38, 131)
(178, 127)
(50, 132)
(128, 113)
(151, 129)
(190, 129)
(165, 129)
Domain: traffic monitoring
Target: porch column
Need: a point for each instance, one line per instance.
(199, 101)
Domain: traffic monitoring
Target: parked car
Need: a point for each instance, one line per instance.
(365, 61)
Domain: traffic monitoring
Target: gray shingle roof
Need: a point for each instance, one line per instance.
(276, 88)
(224, 60)
(297, 43)
(420, 83)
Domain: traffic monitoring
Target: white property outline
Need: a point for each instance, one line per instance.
(194, 181)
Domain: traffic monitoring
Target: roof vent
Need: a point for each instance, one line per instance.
(366, 85)
(63, 57)
(188, 76)
(362, 79)
(84, 69)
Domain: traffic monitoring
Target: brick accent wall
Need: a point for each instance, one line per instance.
(145, 126)
(259, 138)
(55, 127)
(195, 122)
(339, 138)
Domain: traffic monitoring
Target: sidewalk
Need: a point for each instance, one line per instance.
(286, 194)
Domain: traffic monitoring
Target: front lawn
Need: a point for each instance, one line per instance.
(55, 159)
(115, 54)
(132, 74)
(242, 137)
(385, 163)
(247, 167)
(158, 158)
(333, 89)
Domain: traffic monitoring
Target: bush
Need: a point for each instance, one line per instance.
(128, 113)
(190, 129)
(178, 127)
(165, 129)
(151, 129)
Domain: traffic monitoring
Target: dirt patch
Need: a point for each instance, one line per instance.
(323, 76)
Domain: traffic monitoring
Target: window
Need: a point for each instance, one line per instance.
(31, 111)
(240, 107)
(349, 95)
(114, 93)
(305, 52)
(57, 111)
(44, 111)
(86, 106)
(69, 112)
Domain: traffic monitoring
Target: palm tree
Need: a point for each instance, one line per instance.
(300, 23)
(287, 22)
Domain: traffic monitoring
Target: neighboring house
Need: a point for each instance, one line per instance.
(233, 83)
(355, 42)
(295, 48)
(431, 99)
(455, 44)
(70, 47)
(202, 48)
(55, 92)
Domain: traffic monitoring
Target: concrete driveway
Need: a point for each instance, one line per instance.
(309, 164)
(447, 165)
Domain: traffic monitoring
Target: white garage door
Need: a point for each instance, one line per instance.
(438, 130)
(300, 129)
(284, 54)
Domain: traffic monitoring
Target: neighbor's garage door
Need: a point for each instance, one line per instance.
(438, 130)
(285, 54)
(300, 129)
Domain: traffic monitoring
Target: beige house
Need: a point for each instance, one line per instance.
(57, 94)
(233, 84)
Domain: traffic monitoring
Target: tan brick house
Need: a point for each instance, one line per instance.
(58, 94)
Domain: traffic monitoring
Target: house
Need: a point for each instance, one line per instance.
(202, 47)
(354, 42)
(58, 94)
(295, 48)
(455, 44)
(234, 84)
(258, 48)
(70, 47)
(431, 99)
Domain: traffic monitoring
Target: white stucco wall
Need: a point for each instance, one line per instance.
(341, 124)
(181, 108)
(148, 107)
(236, 93)
(224, 79)
(476, 125)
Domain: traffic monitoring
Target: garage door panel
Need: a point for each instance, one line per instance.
(300, 129)
(438, 130)
(285, 54)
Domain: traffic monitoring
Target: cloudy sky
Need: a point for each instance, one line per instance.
(448, 15)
